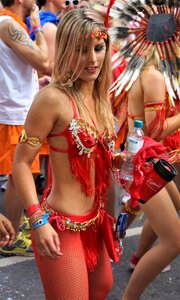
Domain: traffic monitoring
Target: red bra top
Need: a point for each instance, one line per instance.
(87, 149)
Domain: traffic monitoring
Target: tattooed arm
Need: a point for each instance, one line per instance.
(34, 53)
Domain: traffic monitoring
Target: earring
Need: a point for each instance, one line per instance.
(68, 80)
(69, 83)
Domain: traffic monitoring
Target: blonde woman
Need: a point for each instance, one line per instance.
(74, 114)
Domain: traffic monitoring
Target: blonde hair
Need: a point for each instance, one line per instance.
(74, 32)
(152, 58)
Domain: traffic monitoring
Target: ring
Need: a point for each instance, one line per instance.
(43, 252)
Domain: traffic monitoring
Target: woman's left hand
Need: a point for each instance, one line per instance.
(118, 160)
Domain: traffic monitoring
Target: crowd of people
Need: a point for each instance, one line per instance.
(61, 98)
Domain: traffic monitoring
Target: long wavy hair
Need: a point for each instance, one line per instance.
(73, 26)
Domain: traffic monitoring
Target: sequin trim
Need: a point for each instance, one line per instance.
(75, 124)
(64, 223)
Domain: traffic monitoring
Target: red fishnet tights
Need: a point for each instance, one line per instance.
(67, 278)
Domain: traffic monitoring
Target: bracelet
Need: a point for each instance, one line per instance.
(132, 211)
(42, 221)
(36, 26)
(36, 216)
(38, 29)
(32, 209)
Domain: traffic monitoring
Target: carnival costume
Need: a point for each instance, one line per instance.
(87, 238)
(154, 24)
(151, 24)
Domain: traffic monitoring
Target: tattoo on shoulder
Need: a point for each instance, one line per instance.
(19, 36)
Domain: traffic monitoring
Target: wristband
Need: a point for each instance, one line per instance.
(38, 29)
(35, 27)
(42, 221)
(32, 209)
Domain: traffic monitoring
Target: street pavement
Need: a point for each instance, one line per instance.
(19, 278)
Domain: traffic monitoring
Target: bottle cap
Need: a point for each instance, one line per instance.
(138, 123)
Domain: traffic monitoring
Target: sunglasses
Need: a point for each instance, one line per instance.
(74, 2)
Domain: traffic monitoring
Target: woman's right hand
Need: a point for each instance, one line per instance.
(47, 241)
(34, 16)
(7, 232)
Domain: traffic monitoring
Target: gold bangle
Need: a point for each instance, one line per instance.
(32, 141)
(132, 211)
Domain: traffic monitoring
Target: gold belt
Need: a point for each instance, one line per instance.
(64, 222)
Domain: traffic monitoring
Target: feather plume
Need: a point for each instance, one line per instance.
(136, 72)
(169, 87)
(125, 17)
(116, 56)
(128, 52)
(119, 33)
(148, 3)
(176, 85)
(131, 10)
(123, 83)
(119, 4)
(117, 82)
(139, 6)
(117, 62)
(172, 67)
(159, 2)
(162, 65)
(114, 14)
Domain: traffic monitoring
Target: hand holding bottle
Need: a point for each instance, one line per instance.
(135, 140)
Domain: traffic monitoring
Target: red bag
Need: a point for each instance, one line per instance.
(162, 173)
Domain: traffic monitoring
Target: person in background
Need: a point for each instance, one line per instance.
(153, 61)
(20, 57)
(84, 4)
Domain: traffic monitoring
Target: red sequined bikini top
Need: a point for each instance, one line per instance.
(87, 149)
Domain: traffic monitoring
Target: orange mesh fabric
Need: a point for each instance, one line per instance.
(68, 278)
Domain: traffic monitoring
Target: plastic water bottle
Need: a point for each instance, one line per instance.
(135, 140)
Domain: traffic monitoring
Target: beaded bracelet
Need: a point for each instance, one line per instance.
(35, 217)
(40, 222)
